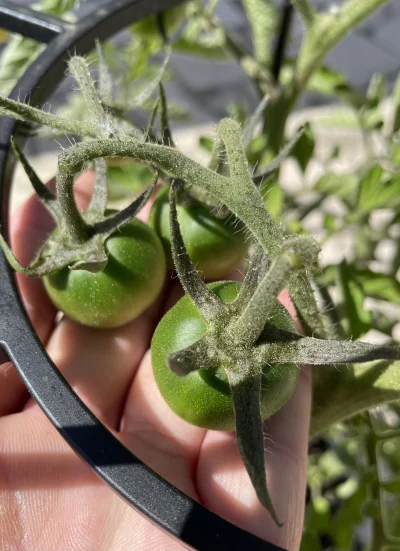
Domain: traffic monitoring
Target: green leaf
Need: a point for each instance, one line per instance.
(310, 542)
(339, 185)
(197, 38)
(376, 190)
(393, 487)
(328, 82)
(263, 18)
(273, 197)
(304, 148)
(356, 319)
(206, 143)
(371, 119)
(380, 286)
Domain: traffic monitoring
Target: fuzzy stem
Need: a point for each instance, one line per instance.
(194, 357)
(296, 253)
(237, 192)
(208, 304)
(149, 130)
(72, 220)
(164, 120)
(311, 351)
(259, 75)
(310, 316)
(23, 112)
(256, 271)
(79, 69)
(98, 202)
(105, 80)
(326, 31)
(250, 324)
(243, 199)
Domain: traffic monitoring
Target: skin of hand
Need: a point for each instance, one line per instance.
(50, 499)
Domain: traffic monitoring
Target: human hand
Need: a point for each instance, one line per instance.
(50, 499)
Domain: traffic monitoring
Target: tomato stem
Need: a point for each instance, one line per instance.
(208, 304)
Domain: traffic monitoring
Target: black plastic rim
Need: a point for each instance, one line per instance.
(195, 526)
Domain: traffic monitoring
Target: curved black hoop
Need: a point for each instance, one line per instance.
(195, 526)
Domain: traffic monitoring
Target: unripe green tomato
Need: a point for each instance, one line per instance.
(203, 397)
(215, 246)
(148, 28)
(129, 284)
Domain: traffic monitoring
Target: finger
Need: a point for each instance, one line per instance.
(100, 364)
(154, 432)
(30, 226)
(50, 499)
(224, 486)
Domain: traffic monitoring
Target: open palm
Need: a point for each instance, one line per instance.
(50, 500)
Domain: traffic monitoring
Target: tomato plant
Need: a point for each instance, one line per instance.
(225, 346)
(148, 28)
(215, 245)
(203, 397)
(131, 280)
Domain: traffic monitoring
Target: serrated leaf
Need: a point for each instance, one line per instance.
(263, 18)
(355, 318)
(304, 148)
(376, 190)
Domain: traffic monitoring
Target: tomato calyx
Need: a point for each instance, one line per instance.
(241, 338)
(79, 240)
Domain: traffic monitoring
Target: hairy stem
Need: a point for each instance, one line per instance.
(208, 304)
(23, 112)
(326, 31)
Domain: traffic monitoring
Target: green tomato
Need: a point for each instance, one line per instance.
(215, 246)
(203, 397)
(130, 282)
